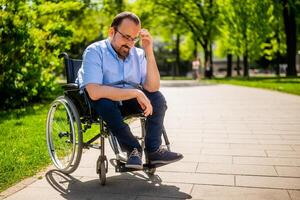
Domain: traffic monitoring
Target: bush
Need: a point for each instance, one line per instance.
(32, 36)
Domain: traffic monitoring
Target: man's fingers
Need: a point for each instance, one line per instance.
(149, 110)
(145, 105)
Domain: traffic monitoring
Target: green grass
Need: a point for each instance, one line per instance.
(23, 143)
(176, 78)
(287, 85)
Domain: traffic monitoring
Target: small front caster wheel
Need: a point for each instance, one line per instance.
(151, 171)
(102, 173)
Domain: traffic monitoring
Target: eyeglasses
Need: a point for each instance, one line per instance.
(128, 38)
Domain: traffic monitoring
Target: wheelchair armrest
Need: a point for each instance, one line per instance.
(71, 87)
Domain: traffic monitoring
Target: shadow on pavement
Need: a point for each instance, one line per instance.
(123, 186)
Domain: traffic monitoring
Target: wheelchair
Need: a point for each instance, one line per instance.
(71, 115)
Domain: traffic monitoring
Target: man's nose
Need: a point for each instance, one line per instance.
(130, 43)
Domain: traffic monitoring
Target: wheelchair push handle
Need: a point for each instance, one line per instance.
(63, 54)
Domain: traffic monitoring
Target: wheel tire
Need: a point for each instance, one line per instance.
(151, 171)
(63, 135)
(102, 173)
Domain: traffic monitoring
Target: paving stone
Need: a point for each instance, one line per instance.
(215, 159)
(191, 157)
(295, 194)
(288, 171)
(290, 137)
(234, 152)
(179, 167)
(48, 193)
(283, 154)
(214, 146)
(268, 182)
(236, 169)
(155, 198)
(267, 161)
(296, 147)
(237, 193)
(231, 140)
(197, 178)
(264, 141)
(261, 147)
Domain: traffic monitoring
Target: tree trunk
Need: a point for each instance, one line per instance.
(207, 64)
(206, 60)
(229, 66)
(238, 67)
(277, 67)
(177, 54)
(246, 66)
(291, 38)
(211, 67)
(195, 52)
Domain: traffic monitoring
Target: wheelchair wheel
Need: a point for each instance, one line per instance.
(63, 134)
(150, 171)
(102, 173)
(102, 167)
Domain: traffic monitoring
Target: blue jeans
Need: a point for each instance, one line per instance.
(112, 112)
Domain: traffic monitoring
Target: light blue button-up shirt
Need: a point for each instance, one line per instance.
(101, 65)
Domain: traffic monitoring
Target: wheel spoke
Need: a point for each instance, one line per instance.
(63, 127)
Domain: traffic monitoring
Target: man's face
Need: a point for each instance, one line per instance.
(123, 37)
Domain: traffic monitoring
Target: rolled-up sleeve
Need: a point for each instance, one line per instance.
(91, 70)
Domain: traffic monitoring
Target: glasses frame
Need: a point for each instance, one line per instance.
(127, 37)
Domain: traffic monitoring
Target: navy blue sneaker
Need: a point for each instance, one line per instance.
(134, 160)
(163, 156)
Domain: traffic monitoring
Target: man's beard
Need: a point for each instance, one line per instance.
(123, 51)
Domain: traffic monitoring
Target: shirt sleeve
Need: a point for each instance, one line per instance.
(92, 70)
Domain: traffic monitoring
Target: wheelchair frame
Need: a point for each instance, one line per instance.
(75, 108)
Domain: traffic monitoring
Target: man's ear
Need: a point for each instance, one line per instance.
(111, 32)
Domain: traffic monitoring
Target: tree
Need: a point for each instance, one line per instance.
(164, 24)
(32, 35)
(198, 17)
(289, 14)
(247, 26)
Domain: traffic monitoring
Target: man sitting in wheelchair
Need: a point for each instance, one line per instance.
(110, 70)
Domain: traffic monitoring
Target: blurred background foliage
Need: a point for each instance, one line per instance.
(259, 33)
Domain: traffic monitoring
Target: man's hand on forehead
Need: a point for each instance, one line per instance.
(144, 32)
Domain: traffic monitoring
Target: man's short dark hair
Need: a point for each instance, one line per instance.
(125, 15)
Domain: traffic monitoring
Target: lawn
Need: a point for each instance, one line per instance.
(23, 143)
(176, 78)
(287, 85)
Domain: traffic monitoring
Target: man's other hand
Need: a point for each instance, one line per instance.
(144, 103)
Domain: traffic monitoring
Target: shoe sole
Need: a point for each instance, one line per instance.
(134, 166)
(164, 162)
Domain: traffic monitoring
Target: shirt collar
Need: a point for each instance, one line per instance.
(114, 53)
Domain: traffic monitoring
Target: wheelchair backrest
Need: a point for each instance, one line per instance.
(81, 100)
(71, 67)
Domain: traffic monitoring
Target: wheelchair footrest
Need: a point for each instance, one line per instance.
(120, 167)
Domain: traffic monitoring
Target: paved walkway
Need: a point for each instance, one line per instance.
(239, 143)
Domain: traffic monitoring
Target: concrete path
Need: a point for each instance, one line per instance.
(239, 144)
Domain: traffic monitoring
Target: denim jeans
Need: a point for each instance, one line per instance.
(112, 112)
